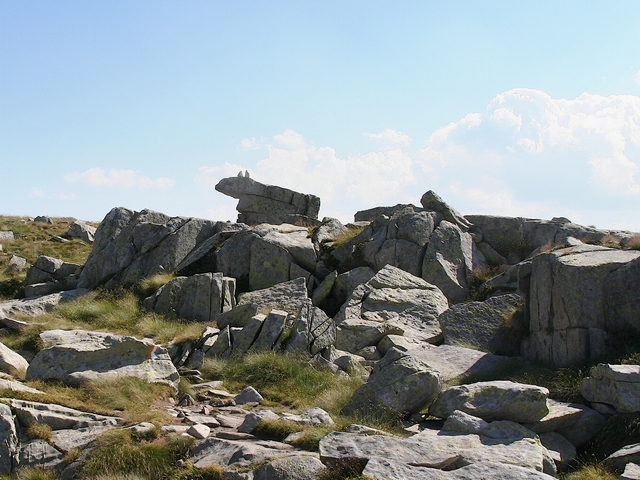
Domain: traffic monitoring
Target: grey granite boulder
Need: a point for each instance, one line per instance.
(391, 302)
(11, 362)
(295, 467)
(568, 323)
(8, 441)
(495, 400)
(382, 468)
(81, 231)
(130, 246)
(78, 355)
(449, 261)
(409, 381)
(615, 385)
(202, 297)
(496, 325)
(259, 203)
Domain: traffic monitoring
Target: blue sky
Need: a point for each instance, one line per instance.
(507, 108)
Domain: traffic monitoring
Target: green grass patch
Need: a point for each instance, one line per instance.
(276, 429)
(33, 239)
(29, 473)
(115, 311)
(310, 438)
(281, 378)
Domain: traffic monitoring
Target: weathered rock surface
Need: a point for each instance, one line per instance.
(218, 451)
(57, 417)
(38, 453)
(381, 468)
(515, 238)
(568, 323)
(392, 302)
(38, 305)
(618, 460)
(449, 261)
(615, 385)
(408, 381)
(202, 297)
(496, 325)
(434, 449)
(130, 246)
(78, 355)
(11, 362)
(295, 467)
(81, 231)
(495, 400)
(8, 441)
(259, 203)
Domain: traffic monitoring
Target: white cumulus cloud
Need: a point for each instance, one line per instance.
(250, 143)
(98, 177)
(390, 136)
(527, 154)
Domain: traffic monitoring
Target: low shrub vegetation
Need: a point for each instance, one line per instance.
(590, 472)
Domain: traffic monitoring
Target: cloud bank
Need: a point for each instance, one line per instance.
(527, 154)
(97, 177)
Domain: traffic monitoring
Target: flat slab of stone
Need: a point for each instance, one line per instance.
(382, 468)
(496, 400)
(218, 451)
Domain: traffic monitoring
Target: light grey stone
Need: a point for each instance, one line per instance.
(585, 428)
(381, 468)
(199, 431)
(271, 330)
(248, 395)
(432, 201)
(18, 387)
(616, 385)
(218, 451)
(260, 203)
(16, 264)
(561, 415)
(408, 381)
(222, 346)
(78, 355)
(130, 246)
(8, 441)
(254, 418)
(631, 472)
(496, 325)
(448, 261)
(68, 439)
(561, 450)
(433, 449)
(461, 422)
(82, 231)
(391, 302)
(57, 417)
(202, 297)
(297, 467)
(567, 302)
(495, 400)
(288, 296)
(39, 305)
(39, 453)
(243, 339)
(11, 362)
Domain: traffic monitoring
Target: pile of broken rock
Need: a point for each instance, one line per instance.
(386, 297)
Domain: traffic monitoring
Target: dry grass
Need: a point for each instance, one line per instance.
(590, 472)
(632, 243)
(117, 312)
(40, 431)
(130, 398)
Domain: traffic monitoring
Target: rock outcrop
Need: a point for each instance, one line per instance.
(77, 355)
(259, 203)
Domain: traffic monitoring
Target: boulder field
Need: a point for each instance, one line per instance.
(421, 301)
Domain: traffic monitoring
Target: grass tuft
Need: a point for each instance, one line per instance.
(40, 431)
(590, 472)
(276, 429)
